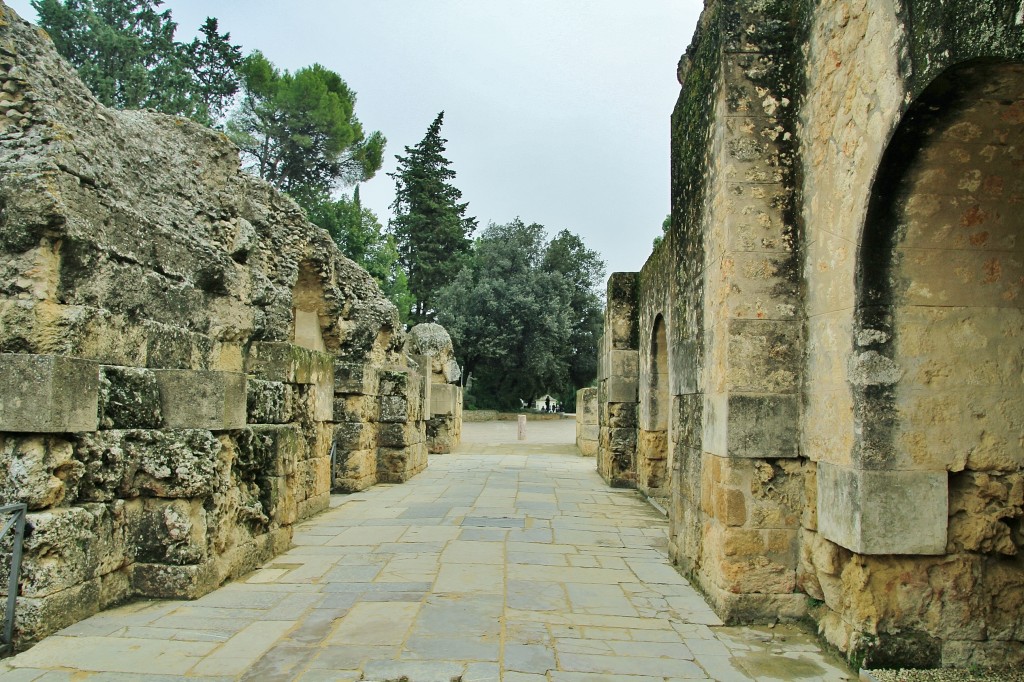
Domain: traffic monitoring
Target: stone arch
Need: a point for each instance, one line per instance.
(938, 334)
(653, 450)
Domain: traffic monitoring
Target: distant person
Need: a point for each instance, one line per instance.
(547, 404)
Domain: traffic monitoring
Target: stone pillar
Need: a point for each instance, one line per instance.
(618, 383)
(751, 487)
(588, 431)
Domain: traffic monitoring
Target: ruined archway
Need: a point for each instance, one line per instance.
(652, 445)
(936, 373)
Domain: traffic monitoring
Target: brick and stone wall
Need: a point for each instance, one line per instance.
(838, 308)
(181, 352)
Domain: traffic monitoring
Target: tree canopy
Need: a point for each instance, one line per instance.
(519, 314)
(360, 236)
(125, 51)
(430, 225)
(299, 130)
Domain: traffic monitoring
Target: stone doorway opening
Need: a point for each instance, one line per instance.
(653, 462)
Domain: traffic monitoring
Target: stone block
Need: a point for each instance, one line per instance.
(291, 364)
(158, 463)
(316, 402)
(279, 499)
(395, 381)
(624, 364)
(394, 408)
(443, 399)
(160, 581)
(40, 471)
(48, 394)
(354, 471)
(270, 450)
(883, 512)
(356, 408)
(399, 435)
(355, 377)
(170, 532)
(129, 398)
(202, 399)
(586, 405)
(72, 545)
(313, 505)
(622, 389)
(38, 617)
(268, 402)
(763, 426)
(354, 435)
(169, 347)
(763, 356)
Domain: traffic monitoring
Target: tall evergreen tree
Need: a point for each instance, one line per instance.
(430, 225)
(125, 51)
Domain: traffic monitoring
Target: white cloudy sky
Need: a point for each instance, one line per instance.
(556, 111)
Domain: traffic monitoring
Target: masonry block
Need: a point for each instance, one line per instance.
(277, 361)
(442, 399)
(48, 394)
(129, 398)
(355, 377)
(624, 363)
(273, 449)
(763, 426)
(623, 389)
(394, 408)
(268, 402)
(354, 435)
(883, 512)
(202, 399)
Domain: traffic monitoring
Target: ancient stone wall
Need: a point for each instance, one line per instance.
(431, 347)
(182, 354)
(840, 295)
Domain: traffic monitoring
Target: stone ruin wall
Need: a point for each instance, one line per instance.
(181, 353)
(841, 298)
(588, 431)
(430, 347)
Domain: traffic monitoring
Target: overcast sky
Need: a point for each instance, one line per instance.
(556, 111)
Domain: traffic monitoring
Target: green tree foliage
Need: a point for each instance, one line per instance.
(519, 314)
(360, 236)
(665, 225)
(125, 51)
(584, 269)
(299, 131)
(430, 224)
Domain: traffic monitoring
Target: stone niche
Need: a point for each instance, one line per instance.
(182, 354)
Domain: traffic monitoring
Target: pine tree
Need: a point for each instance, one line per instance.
(430, 225)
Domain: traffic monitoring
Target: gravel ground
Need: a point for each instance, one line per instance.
(942, 675)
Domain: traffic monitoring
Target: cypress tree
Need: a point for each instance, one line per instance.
(430, 226)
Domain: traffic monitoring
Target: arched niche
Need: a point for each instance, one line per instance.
(309, 309)
(937, 371)
(653, 452)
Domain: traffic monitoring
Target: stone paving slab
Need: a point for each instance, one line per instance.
(486, 567)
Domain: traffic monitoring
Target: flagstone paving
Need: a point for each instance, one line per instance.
(513, 567)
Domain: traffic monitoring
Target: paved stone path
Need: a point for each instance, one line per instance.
(485, 567)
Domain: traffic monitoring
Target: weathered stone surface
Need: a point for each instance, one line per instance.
(268, 402)
(129, 398)
(883, 512)
(47, 394)
(40, 471)
(202, 399)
